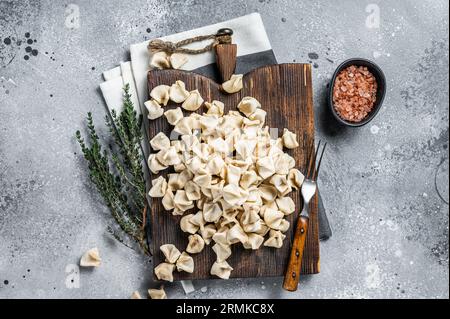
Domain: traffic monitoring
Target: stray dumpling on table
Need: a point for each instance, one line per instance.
(275, 239)
(185, 263)
(154, 109)
(160, 94)
(254, 241)
(164, 271)
(234, 84)
(248, 105)
(160, 142)
(168, 200)
(177, 60)
(195, 245)
(91, 258)
(170, 252)
(193, 101)
(157, 293)
(285, 205)
(178, 92)
(136, 295)
(174, 116)
(295, 178)
(160, 60)
(159, 187)
(221, 270)
(187, 226)
(222, 252)
(289, 139)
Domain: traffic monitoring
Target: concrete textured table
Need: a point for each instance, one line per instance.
(384, 185)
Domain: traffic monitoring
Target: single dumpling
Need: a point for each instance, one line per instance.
(215, 107)
(154, 165)
(177, 60)
(254, 241)
(220, 236)
(174, 116)
(267, 192)
(207, 232)
(273, 218)
(167, 200)
(284, 226)
(234, 84)
(196, 244)
(154, 109)
(248, 178)
(236, 234)
(286, 205)
(192, 190)
(295, 178)
(275, 239)
(164, 271)
(211, 212)
(234, 195)
(159, 187)
(289, 139)
(157, 293)
(265, 167)
(170, 252)
(91, 258)
(259, 115)
(160, 142)
(202, 178)
(248, 105)
(281, 184)
(168, 156)
(178, 92)
(193, 101)
(182, 202)
(160, 60)
(184, 126)
(187, 226)
(215, 165)
(221, 270)
(185, 263)
(233, 174)
(222, 252)
(160, 94)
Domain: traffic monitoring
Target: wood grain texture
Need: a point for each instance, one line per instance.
(285, 92)
(226, 60)
(292, 275)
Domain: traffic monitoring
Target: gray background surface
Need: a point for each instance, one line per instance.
(384, 185)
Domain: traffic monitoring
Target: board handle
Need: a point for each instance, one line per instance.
(226, 60)
(292, 275)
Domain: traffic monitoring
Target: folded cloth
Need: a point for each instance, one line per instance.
(254, 51)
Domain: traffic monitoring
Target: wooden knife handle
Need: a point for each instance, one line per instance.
(292, 275)
(226, 60)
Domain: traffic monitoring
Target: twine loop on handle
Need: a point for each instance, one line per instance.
(223, 36)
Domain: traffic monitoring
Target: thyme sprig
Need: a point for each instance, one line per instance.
(119, 176)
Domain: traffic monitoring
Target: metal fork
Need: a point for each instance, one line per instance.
(308, 191)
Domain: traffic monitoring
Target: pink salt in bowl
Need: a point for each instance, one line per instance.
(339, 112)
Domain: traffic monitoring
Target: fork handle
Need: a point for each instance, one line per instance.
(292, 275)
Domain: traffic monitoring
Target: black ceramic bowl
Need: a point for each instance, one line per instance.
(381, 90)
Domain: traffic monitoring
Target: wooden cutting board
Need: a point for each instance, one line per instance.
(285, 92)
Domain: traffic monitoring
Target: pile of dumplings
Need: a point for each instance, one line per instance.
(228, 168)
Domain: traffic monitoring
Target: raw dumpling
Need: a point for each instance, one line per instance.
(211, 212)
(192, 190)
(154, 165)
(284, 226)
(160, 94)
(160, 60)
(198, 219)
(236, 234)
(187, 226)
(248, 178)
(159, 187)
(222, 252)
(267, 192)
(170, 252)
(207, 232)
(283, 163)
(154, 109)
(185, 263)
(157, 293)
(259, 115)
(254, 241)
(160, 142)
(184, 126)
(234, 195)
(177, 60)
(174, 116)
(220, 236)
(168, 156)
(182, 202)
(286, 205)
(221, 270)
(234, 84)
(273, 218)
(215, 107)
(193, 101)
(248, 105)
(164, 271)
(167, 200)
(91, 258)
(196, 244)
(178, 92)
(202, 178)
(265, 167)
(136, 295)
(289, 139)
(233, 175)
(295, 178)
(281, 184)
(215, 165)
(275, 239)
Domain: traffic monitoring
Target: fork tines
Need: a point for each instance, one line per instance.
(313, 171)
